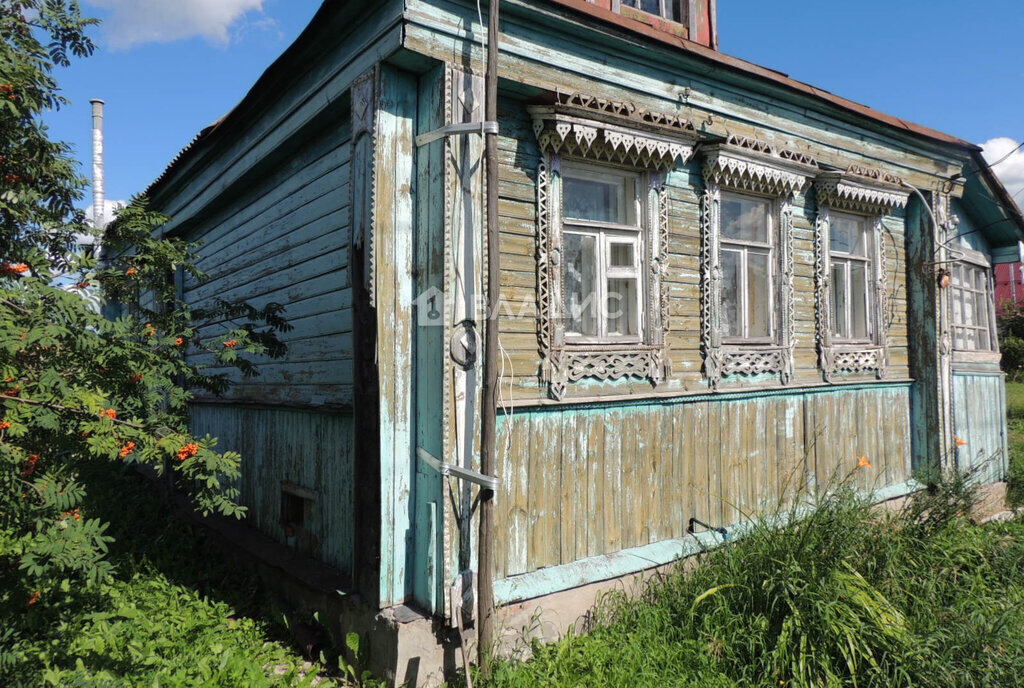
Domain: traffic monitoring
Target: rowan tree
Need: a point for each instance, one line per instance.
(76, 386)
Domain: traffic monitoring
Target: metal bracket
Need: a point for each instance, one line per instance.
(460, 128)
(488, 482)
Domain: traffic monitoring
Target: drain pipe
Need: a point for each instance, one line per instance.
(488, 439)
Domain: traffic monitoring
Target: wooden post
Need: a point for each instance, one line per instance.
(488, 443)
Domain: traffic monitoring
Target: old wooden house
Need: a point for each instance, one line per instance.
(720, 288)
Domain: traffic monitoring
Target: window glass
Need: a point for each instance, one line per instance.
(730, 294)
(622, 307)
(858, 301)
(758, 295)
(849, 235)
(839, 301)
(745, 218)
(581, 284)
(621, 255)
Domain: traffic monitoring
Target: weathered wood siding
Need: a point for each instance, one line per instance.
(308, 448)
(286, 241)
(979, 418)
(586, 481)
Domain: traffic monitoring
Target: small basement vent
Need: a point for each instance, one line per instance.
(296, 503)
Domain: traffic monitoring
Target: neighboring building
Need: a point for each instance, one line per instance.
(1009, 279)
(720, 288)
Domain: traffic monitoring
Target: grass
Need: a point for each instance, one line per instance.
(173, 614)
(1015, 440)
(848, 596)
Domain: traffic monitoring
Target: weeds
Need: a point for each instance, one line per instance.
(846, 596)
(171, 613)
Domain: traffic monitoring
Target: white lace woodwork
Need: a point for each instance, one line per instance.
(744, 164)
(364, 181)
(873, 193)
(561, 131)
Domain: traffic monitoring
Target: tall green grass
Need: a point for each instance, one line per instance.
(1015, 441)
(847, 596)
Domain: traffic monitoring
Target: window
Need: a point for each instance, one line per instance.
(971, 295)
(669, 9)
(747, 254)
(602, 240)
(850, 268)
(850, 264)
(747, 258)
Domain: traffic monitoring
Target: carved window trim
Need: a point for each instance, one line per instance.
(748, 166)
(579, 128)
(873, 194)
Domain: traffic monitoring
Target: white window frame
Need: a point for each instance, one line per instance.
(605, 234)
(870, 295)
(974, 262)
(744, 248)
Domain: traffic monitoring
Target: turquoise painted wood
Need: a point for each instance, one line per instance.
(310, 449)
(286, 241)
(393, 227)
(979, 418)
(429, 499)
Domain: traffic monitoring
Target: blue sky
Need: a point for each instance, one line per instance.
(168, 68)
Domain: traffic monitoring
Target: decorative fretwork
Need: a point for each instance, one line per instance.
(560, 133)
(746, 164)
(620, 110)
(364, 178)
(752, 362)
(862, 190)
(873, 193)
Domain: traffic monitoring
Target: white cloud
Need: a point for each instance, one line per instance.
(132, 22)
(1009, 171)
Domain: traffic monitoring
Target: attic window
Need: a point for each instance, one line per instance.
(667, 9)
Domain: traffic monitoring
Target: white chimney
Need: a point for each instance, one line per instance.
(98, 196)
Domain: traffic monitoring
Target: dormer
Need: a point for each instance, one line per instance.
(694, 20)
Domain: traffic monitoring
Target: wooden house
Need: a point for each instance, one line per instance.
(719, 289)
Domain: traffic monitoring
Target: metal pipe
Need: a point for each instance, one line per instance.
(98, 194)
(488, 438)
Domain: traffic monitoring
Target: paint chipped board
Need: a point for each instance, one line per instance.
(310, 449)
(286, 242)
(590, 480)
(979, 420)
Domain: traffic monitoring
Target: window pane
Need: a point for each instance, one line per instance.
(600, 200)
(758, 295)
(858, 301)
(581, 306)
(848, 235)
(839, 301)
(745, 219)
(958, 306)
(622, 307)
(968, 302)
(730, 294)
(621, 255)
(652, 6)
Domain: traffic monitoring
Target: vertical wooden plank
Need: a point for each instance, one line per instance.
(612, 483)
(428, 560)
(596, 485)
(393, 228)
(570, 518)
(581, 484)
